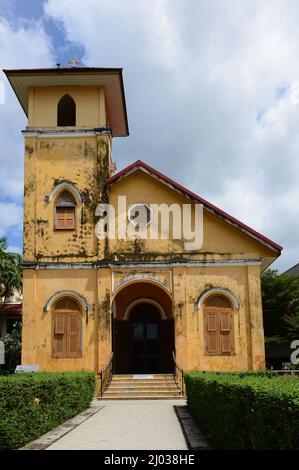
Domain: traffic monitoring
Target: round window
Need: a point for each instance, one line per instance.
(140, 215)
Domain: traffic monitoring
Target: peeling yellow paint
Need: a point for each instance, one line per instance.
(85, 163)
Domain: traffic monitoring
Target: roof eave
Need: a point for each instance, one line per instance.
(9, 73)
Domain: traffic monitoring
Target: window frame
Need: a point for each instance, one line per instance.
(65, 205)
(208, 309)
(132, 221)
(65, 313)
(60, 103)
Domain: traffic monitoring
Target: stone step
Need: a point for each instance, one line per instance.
(135, 397)
(125, 389)
(142, 386)
(142, 393)
(137, 383)
(141, 379)
(143, 376)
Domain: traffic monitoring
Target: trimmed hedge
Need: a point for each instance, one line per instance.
(245, 411)
(33, 404)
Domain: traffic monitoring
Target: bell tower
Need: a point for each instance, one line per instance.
(73, 114)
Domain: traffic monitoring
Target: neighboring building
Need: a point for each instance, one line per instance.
(294, 271)
(278, 355)
(84, 296)
(10, 313)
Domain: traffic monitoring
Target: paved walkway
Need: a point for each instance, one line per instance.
(129, 425)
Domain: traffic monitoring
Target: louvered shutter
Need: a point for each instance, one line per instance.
(225, 331)
(65, 218)
(212, 332)
(73, 334)
(59, 334)
(59, 217)
(69, 217)
(219, 337)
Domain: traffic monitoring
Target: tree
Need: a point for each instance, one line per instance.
(10, 271)
(280, 294)
(13, 344)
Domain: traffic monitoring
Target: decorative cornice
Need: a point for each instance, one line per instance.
(41, 133)
(59, 265)
(141, 264)
(199, 263)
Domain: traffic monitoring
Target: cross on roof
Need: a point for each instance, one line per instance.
(74, 61)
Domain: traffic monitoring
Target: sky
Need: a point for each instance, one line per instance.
(212, 93)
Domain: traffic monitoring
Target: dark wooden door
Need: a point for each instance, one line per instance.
(145, 347)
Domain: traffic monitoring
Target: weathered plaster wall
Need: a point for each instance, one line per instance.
(188, 285)
(235, 279)
(39, 286)
(85, 163)
(82, 162)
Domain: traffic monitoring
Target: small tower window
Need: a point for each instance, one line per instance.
(66, 111)
(64, 212)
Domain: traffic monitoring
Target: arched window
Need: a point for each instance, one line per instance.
(218, 326)
(66, 111)
(64, 211)
(66, 328)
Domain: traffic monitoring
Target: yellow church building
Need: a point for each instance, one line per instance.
(134, 284)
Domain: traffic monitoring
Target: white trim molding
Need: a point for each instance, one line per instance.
(218, 290)
(46, 133)
(65, 186)
(66, 293)
(138, 277)
(144, 300)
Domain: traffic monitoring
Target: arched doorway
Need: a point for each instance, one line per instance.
(143, 330)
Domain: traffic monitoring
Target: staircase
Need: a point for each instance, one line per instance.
(142, 387)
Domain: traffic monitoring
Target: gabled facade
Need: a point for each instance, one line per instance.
(140, 293)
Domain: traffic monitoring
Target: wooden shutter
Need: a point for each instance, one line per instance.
(226, 331)
(65, 218)
(218, 326)
(59, 325)
(212, 337)
(73, 334)
(59, 334)
(69, 217)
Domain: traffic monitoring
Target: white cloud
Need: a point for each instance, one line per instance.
(11, 218)
(211, 92)
(24, 46)
(202, 84)
(21, 46)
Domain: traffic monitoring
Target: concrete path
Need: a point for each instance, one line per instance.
(128, 425)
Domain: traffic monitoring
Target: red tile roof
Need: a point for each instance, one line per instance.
(11, 309)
